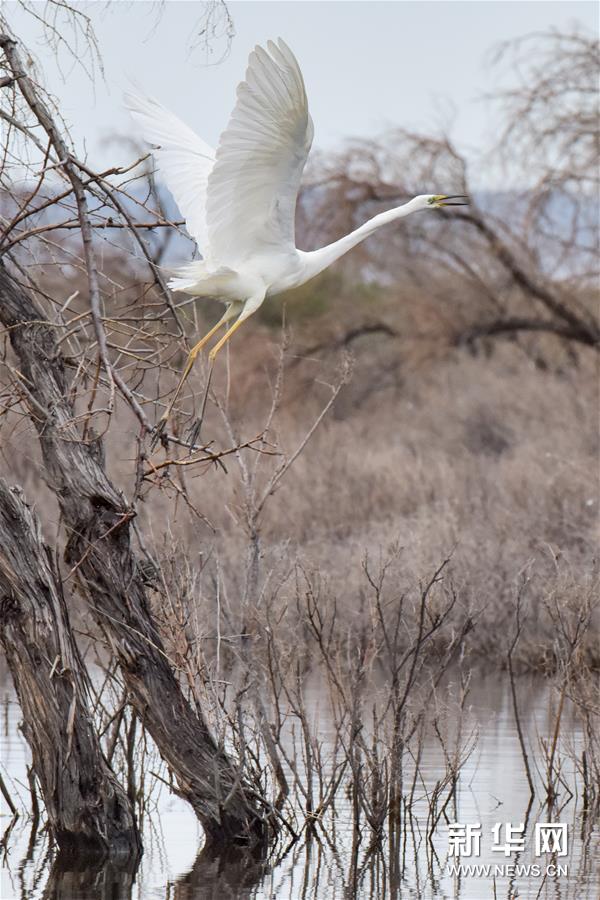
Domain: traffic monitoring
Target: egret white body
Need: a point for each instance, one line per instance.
(239, 202)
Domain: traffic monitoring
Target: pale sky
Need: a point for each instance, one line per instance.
(367, 65)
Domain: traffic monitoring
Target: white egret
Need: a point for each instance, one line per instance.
(239, 202)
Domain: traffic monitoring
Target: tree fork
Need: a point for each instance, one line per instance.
(98, 519)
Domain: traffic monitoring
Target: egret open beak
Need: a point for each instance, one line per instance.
(458, 200)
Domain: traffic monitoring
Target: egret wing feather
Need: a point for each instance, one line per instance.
(184, 160)
(253, 186)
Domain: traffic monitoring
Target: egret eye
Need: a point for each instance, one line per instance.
(431, 201)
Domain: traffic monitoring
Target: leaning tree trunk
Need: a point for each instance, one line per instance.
(88, 810)
(99, 551)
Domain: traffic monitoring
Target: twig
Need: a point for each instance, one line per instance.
(7, 797)
(43, 116)
(514, 692)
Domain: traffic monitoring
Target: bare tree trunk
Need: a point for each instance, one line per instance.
(98, 519)
(88, 810)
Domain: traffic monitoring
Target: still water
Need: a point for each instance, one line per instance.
(491, 802)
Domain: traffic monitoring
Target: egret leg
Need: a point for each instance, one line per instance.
(225, 338)
(250, 307)
(188, 368)
(195, 430)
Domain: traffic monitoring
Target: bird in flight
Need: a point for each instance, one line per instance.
(239, 202)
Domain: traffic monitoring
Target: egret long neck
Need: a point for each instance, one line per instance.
(316, 261)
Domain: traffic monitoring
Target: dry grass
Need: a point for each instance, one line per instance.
(487, 456)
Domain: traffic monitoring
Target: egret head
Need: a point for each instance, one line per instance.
(438, 201)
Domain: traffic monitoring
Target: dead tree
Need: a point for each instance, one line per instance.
(99, 551)
(517, 262)
(88, 810)
(96, 516)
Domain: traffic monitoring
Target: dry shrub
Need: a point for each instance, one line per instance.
(487, 454)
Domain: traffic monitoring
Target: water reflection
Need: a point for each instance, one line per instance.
(332, 858)
(86, 879)
(231, 875)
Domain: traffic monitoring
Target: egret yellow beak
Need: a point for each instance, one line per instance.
(458, 200)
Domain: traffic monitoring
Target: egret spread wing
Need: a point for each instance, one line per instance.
(252, 189)
(184, 160)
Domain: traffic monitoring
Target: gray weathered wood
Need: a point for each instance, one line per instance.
(88, 810)
(98, 519)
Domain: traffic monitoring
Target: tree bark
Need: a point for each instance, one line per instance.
(98, 519)
(88, 810)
